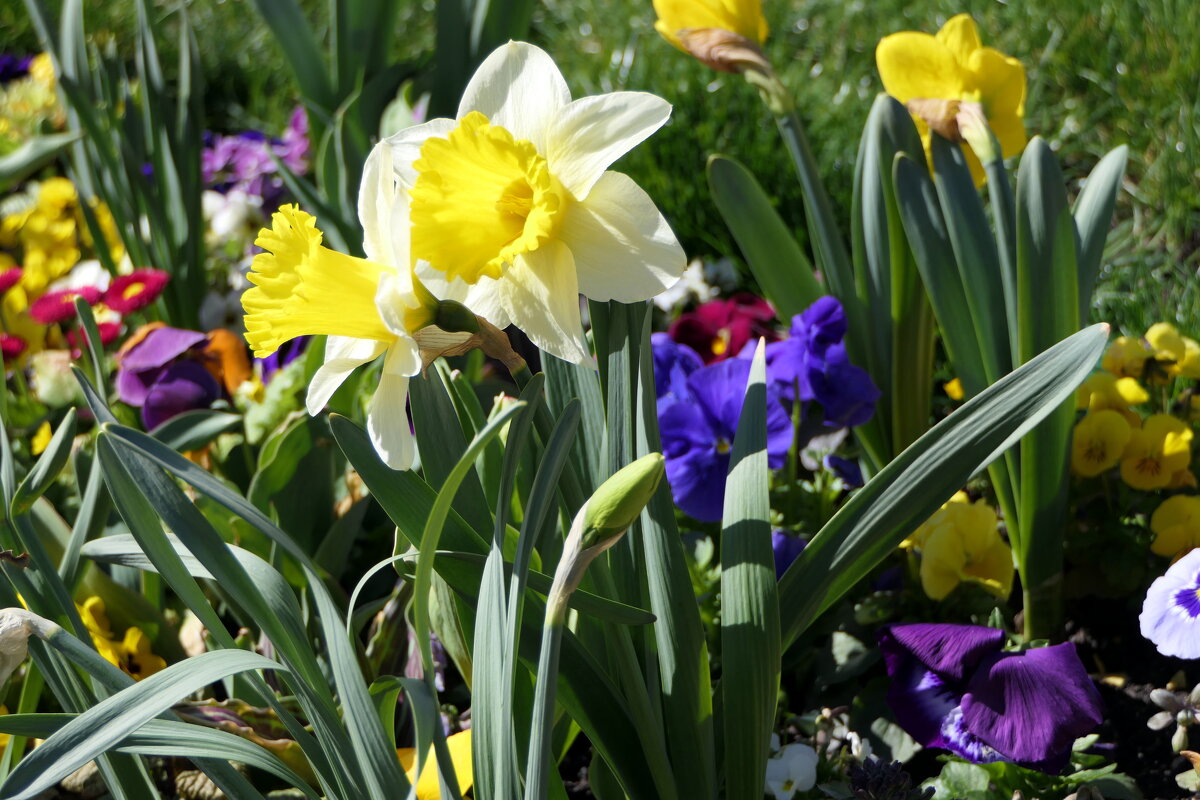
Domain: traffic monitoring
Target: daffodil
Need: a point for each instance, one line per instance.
(1098, 442)
(1155, 453)
(1126, 357)
(428, 787)
(368, 307)
(514, 197)
(942, 73)
(743, 17)
(964, 545)
(1176, 525)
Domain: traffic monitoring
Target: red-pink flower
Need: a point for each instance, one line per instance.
(10, 278)
(134, 291)
(60, 305)
(11, 346)
(719, 329)
(109, 331)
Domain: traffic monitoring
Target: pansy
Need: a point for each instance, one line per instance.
(368, 307)
(428, 788)
(1126, 357)
(673, 362)
(938, 75)
(1098, 442)
(793, 769)
(159, 372)
(1161, 448)
(132, 653)
(1104, 391)
(59, 306)
(1170, 615)
(515, 195)
(955, 687)
(812, 365)
(963, 544)
(787, 548)
(848, 472)
(698, 427)
(721, 329)
(135, 291)
(1176, 525)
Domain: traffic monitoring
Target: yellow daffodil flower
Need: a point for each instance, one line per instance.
(368, 307)
(428, 787)
(514, 197)
(1099, 441)
(955, 67)
(1126, 357)
(964, 544)
(1176, 525)
(743, 17)
(954, 389)
(1155, 453)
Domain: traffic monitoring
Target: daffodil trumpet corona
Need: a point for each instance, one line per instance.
(514, 199)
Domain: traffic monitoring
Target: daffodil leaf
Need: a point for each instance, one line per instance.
(1093, 217)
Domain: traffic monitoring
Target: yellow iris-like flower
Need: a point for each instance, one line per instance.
(1126, 357)
(1176, 525)
(428, 787)
(1099, 441)
(514, 197)
(963, 544)
(954, 66)
(743, 17)
(1155, 453)
(368, 307)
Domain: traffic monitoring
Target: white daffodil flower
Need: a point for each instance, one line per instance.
(793, 770)
(514, 197)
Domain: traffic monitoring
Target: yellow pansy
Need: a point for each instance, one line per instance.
(137, 658)
(916, 539)
(1155, 453)
(965, 545)
(743, 17)
(41, 439)
(1105, 391)
(1189, 365)
(428, 787)
(1165, 341)
(953, 389)
(1126, 357)
(1176, 525)
(1183, 479)
(132, 654)
(1098, 442)
(955, 67)
(514, 197)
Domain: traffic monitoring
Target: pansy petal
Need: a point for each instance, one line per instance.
(920, 700)
(405, 146)
(387, 422)
(1170, 615)
(960, 36)
(949, 650)
(342, 356)
(1032, 706)
(623, 248)
(517, 87)
(160, 346)
(592, 132)
(183, 386)
(540, 294)
(916, 65)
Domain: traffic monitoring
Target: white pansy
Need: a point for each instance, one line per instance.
(514, 197)
(793, 770)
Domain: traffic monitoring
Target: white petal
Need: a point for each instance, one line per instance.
(342, 356)
(406, 146)
(592, 132)
(374, 192)
(483, 298)
(541, 295)
(403, 355)
(624, 250)
(518, 87)
(387, 422)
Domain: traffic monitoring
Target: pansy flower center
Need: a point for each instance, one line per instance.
(481, 199)
(723, 445)
(720, 342)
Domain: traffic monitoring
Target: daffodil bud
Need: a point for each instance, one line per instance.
(16, 626)
(974, 129)
(454, 317)
(620, 499)
(940, 114)
(724, 51)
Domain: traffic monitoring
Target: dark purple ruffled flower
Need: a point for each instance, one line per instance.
(160, 375)
(849, 472)
(13, 67)
(954, 687)
(719, 329)
(787, 548)
(698, 425)
(183, 386)
(1170, 615)
(811, 365)
(673, 362)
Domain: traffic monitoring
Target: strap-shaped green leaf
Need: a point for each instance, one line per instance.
(1093, 218)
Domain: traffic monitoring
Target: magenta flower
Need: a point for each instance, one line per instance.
(11, 346)
(59, 306)
(1170, 615)
(10, 278)
(719, 329)
(955, 687)
(135, 291)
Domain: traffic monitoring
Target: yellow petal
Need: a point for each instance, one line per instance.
(915, 65)
(998, 81)
(993, 569)
(960, 36)
(41, 439)
(942, 562)
(953, 389)
(743, 17)
(428, 787)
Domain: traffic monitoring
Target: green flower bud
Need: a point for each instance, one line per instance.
(620, 499)
(454, 317)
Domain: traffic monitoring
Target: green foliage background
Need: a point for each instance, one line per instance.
(1101, 74)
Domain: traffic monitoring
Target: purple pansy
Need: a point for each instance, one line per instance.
(1171, 613)
(673, 362)
(160, 376)
(849, 472)
(955, 687)
(288, 352)
(698, 423)
(812, 365)
(787, 548)
(244, 160)
(13, 67)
